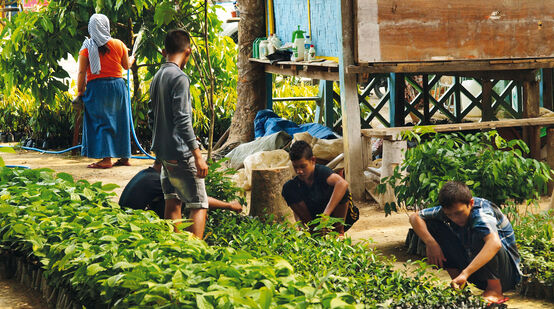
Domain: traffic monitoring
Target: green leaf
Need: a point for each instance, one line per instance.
(65, 176)
(89, 195)
(93, 269)
(7, 149)
(109, 187)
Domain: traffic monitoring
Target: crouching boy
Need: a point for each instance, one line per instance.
(472, 239)
(317, 190)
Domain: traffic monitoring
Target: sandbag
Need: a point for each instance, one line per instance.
(274, 141)
(323, 149)
(266, 160)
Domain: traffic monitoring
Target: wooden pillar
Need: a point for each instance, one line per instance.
(531, 101)
(397, 100)
(329, 103)
(268, 90)
(350, 106)
(425, 88)
(486, 100)
(550, 155)
(547, 91)
(457, 99)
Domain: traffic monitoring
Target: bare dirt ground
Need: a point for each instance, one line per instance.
(387, 233)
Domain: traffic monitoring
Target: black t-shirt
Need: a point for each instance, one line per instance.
(317, 196)
(144, 190)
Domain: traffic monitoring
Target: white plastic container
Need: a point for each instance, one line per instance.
(311, 53)
(274, 40)
(298, 49)
(264, 49)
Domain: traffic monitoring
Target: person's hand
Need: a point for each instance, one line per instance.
(434, 254)
(459, 282)
(201, 167)
(235, 206)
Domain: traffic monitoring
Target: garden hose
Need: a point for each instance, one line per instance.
(18, 166)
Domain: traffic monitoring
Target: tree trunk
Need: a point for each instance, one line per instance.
(250, 85)
(266, 193)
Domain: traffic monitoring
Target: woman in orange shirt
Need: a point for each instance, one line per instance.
(106, 124)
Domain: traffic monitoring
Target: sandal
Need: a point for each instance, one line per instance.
(96, 165)
(492, 304)
(120, 162)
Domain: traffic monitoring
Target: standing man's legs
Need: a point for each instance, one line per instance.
(198, 217)
(180, 184)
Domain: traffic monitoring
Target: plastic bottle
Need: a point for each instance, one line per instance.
(307, 42)
(274, 39)
(298, 45)
(264, 44)
(270, 45)
(311, 53)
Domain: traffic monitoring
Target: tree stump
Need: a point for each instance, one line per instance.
(266, 193)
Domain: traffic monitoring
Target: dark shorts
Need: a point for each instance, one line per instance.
(179, 181)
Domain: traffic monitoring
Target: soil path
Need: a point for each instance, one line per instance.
(387, 233)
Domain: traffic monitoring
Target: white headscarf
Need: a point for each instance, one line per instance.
(99, 31)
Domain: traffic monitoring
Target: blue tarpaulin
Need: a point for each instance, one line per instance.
(267, 123)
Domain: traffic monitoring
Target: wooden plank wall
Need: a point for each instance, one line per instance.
(431, 30)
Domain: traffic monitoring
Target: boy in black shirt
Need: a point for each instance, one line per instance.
(144, 191)
(317, 189)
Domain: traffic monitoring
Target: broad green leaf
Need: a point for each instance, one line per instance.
(109, 187)
(7, 149)
(93, 269)
(65, 176)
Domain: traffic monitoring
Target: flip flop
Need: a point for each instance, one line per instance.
(498, 302)
(96, 165)
(122, 163)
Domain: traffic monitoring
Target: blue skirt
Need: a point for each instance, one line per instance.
(106, 124)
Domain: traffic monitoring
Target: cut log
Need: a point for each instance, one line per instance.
(266, 193)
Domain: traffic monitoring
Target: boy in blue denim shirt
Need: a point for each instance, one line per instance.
(472, 239)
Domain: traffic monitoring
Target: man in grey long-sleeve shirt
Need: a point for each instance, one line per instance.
(174, 141)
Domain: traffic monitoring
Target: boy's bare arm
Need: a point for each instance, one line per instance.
(339, 189)
(433, 250)
(489, 250)
(201, 166)
(82, 75)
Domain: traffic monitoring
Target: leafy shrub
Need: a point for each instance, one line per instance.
(336, 265)
(535, 239)
(219, 184)
(492, 167)
(108, 257)
(297, 111)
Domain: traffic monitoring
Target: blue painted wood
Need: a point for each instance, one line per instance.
(326, 29)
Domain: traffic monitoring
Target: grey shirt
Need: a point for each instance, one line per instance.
(170, 114)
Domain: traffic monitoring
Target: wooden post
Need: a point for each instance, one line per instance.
(350, 106)
(550, 155)
(426, 112)
(268, 90)
(329, 103)
(397, 100)
(457, 99)
(266, 193)
(547, 91)
(486, 100)
(531, 101)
